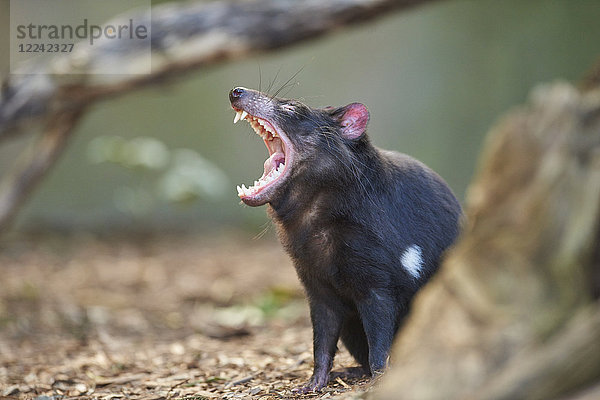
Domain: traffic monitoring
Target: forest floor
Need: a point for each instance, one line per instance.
(154, 317)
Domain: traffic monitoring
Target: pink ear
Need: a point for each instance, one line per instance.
(354, 120)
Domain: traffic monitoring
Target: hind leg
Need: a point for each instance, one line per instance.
(354, 338)
(380, 314)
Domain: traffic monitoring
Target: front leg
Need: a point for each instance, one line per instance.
(380, 316)
(326, 314)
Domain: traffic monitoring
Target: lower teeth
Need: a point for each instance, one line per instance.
(272, 175)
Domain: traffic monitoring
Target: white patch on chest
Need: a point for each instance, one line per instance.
(412, 260)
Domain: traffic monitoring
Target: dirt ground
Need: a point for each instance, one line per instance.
(154, 317)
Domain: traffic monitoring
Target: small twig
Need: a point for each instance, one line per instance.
(176, 385)
(118, 380)
(341, 382)
(240, 381)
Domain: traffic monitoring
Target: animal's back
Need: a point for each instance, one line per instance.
(422, 210)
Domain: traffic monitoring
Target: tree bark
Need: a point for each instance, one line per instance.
(513, 312)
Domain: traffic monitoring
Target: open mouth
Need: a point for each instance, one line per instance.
(275, 167)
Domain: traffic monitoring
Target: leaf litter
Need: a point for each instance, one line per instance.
(154, 317)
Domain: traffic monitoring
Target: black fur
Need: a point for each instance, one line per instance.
(346, 214)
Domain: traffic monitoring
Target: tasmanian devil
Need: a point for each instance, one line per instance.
(365, 227)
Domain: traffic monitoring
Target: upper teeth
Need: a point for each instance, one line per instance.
(239, 115)
(255, 122)
(271, 176)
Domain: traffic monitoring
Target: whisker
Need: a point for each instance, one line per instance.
(266, 227)
(259, 78)
(291, 86)
(274, 80)
(288, 81)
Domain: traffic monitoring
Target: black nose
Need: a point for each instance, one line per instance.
(235, 94)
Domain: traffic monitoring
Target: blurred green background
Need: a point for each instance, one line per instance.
(435, 79)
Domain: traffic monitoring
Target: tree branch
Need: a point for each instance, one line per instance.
(185, 38)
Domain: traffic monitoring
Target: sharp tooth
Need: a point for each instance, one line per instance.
(244, 115)
(240, 191)
(237, 116)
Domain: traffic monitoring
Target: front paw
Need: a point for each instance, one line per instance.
(315, 384)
